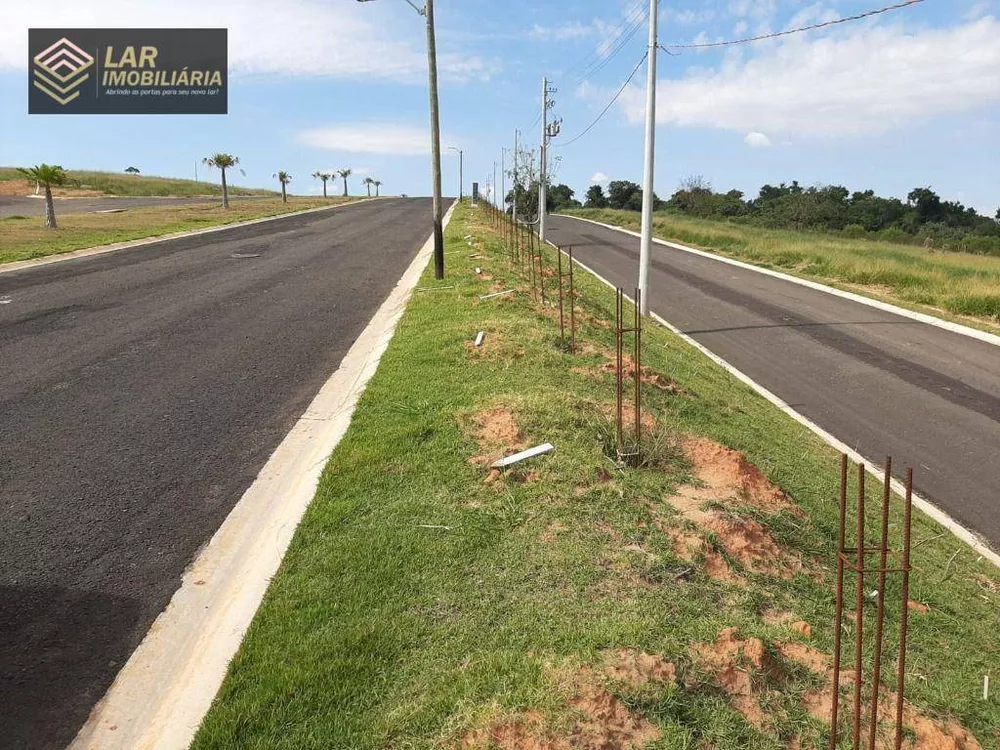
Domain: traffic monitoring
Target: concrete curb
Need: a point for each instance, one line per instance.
(20, 265)
(948, 325)
(971, 538)
(163, 692)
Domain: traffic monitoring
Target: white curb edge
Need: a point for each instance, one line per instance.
(974, 540)
(163, 692)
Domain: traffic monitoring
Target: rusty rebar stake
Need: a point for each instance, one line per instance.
(572, 306)
(559, 273)
(904, 616)
(859, 605)
(880, 616)
(839, 616)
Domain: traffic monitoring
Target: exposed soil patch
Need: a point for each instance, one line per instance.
(602, 722)
(26, 187)
(919, 607)
(488, 349)
(637, 668)
(689, 546)
(742, 668)
(726, 474)
(927, 733)
(497, 433)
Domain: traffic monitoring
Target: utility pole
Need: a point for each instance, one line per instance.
(548, 132)
(435, 140)
(647, 178)
(517, 135)
(503, 179)
(493, 185)
(428, 13)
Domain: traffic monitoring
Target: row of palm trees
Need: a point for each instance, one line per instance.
(48, 175)
(344, 174)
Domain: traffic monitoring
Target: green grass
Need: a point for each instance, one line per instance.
(958, 286)
(21, 239)
(381, 632)
(113, 183)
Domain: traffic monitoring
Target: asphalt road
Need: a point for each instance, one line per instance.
(881, 383)
(24, 206)
(141, 392)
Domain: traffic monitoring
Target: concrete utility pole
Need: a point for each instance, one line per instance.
(435, 141)
(548, 132)
(502, 205)
(428, 13)
(541, 170)
(517, 136)
(647, 178)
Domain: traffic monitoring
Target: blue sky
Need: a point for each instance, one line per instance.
(910, 98)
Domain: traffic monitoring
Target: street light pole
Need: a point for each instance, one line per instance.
(461, 177)
(428, 13)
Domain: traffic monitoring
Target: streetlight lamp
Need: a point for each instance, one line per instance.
(461, 177)
(428, 12)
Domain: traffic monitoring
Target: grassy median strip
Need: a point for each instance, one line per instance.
(89, 182)
(23, 237)
(957, 286)
(428, 602)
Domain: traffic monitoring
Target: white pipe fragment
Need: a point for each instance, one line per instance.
(538, 450)
(497, 294)
(479, 338)
(986, 687)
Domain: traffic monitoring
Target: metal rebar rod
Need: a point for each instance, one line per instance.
(839, 612)
(904, 617)
(637, 374)
(572, 306)
(618, 368)
(541, 272)
(859, 604)
(880, 617)
(559, 273)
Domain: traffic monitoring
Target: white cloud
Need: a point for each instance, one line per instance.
(273, 37)
(600, 177)
(690, 17)
(869, 81)
(757, 140)
(573, 30)
(368, 138)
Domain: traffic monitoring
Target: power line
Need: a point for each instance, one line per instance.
(616, 45)
(605, 110)
(594, 56)
(776, 34)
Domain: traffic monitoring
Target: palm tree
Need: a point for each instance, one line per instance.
(377, 184)
(368, 184)
(322, 176)
(131, 170)
(284, 178)
(46, 175)
(345, 173)
(223, 162)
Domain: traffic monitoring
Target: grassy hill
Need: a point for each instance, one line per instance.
(113, 183)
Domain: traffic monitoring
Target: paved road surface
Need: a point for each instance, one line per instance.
(881, 383)
(140, 393)
(23, 206)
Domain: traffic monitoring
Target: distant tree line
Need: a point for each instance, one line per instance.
(923, 217)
